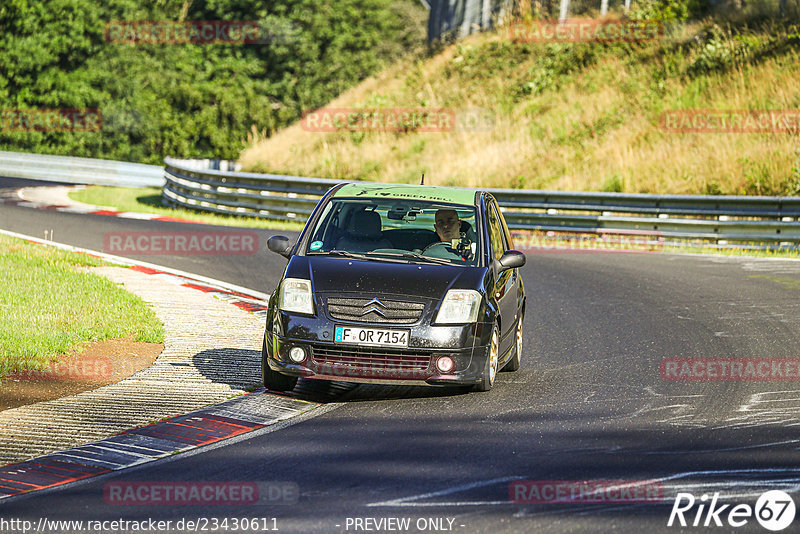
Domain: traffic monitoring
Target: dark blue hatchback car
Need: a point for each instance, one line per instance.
(397, 283)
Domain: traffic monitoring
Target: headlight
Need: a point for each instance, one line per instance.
(459, 306)
(295, 296)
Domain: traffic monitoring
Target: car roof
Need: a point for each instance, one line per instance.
(453, 195)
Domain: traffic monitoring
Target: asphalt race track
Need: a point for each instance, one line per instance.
(589, 403)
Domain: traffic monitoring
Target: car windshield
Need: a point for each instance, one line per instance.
(397, 230)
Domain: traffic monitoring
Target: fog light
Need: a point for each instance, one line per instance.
(445, 364)
(297, 354)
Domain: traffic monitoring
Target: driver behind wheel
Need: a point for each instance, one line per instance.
(455, 244)
(447, 225)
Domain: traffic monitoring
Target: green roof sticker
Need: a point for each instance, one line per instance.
(455, 195)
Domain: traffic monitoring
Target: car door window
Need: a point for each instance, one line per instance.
(506, 233)
(495, 233)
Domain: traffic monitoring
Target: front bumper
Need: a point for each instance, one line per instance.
(375, 364)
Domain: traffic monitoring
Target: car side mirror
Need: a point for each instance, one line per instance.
(511, 260)
(280, 245)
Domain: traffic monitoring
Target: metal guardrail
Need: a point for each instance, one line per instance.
(721, 219)
(79, 170)
(694, 217)
(268, 196)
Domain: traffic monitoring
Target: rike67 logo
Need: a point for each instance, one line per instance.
(774, 510)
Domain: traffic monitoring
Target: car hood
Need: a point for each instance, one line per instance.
(343, 275)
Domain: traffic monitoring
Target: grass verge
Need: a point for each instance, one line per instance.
(49, 308)
(148, 200)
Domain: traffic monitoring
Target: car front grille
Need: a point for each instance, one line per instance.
(372, 359)
(374, 311)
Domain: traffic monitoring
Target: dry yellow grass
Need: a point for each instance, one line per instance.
(594, 127)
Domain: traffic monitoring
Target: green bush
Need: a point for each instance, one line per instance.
(720, 49)
(667, 10)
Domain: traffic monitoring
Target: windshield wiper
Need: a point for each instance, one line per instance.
(414, 256)
(377, 255)
(342, 253)
(418, 256)
(355, 255)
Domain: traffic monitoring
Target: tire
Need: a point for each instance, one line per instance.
(273, 380)
(514, 363)
(490, 369)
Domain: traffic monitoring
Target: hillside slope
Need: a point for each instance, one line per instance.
(573, 116)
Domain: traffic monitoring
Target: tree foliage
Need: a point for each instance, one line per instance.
(188, 100)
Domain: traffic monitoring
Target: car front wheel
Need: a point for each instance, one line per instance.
(490, 370)
(273, 380)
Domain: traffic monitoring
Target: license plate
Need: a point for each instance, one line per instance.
(371, 336)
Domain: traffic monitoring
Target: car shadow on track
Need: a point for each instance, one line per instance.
(238, 368)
